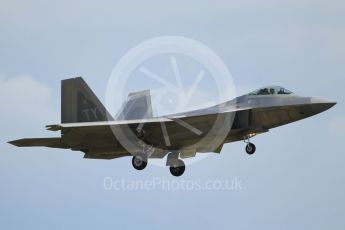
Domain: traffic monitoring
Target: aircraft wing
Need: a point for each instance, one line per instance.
(100, 140)
(164, 132)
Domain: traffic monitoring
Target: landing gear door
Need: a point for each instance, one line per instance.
(241, 120)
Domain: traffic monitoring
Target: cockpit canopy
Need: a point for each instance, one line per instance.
(271, 90)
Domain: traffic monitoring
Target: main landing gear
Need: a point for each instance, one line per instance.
(176, 165)
(139, 161)
(178, 168)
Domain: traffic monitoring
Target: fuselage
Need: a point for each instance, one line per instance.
(256, 112)
(87, 126)
(203, 130)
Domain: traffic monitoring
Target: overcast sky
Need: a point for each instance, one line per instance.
(296, 179)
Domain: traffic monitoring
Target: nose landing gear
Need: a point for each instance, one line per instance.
(250, 147)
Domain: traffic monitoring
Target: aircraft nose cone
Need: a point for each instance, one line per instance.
(316, 100)
(320, 105)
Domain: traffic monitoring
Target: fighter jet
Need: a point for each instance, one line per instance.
(88, 127)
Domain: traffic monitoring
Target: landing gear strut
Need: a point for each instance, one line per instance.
(139, 161)
(176, 165)
(250, 147)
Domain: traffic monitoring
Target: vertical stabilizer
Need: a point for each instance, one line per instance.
(80, 104)
(137, 106)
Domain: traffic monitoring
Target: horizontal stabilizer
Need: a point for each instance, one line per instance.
(54, 142)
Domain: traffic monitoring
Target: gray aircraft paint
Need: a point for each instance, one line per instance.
(86, 125)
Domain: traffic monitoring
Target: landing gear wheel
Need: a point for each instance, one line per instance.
(250, 148)
(139, 162)
(178, 168)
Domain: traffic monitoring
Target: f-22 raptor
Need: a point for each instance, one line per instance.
(88, 127)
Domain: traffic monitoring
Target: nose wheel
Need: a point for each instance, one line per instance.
(250, 148)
